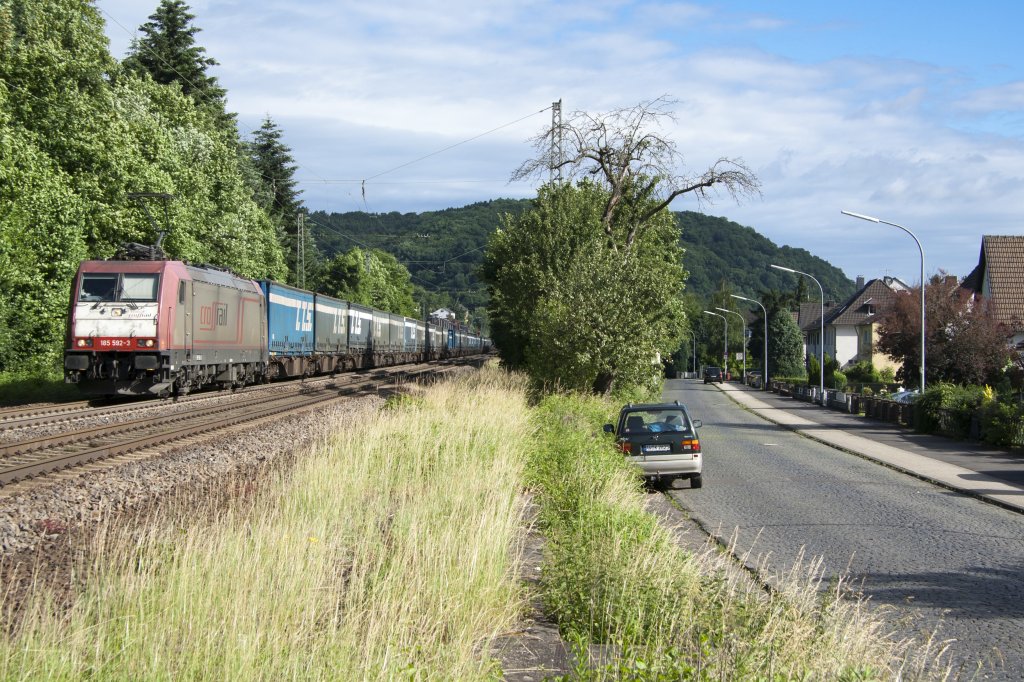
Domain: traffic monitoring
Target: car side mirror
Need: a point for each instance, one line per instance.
(608, 428)
(697, 423)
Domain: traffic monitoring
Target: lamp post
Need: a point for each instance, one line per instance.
(821, 334)
(764, 378)
(744, 322)
(690, 332)
(921, 251)
(725, 339)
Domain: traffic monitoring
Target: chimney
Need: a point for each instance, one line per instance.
(860, 281)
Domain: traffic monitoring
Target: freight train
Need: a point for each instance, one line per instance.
(166, 328)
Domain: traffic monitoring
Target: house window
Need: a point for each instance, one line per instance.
(865, 341)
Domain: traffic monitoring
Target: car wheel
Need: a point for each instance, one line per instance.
(696, 481)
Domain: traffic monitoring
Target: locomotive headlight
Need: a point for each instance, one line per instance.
(84, 343)
(145, 343)
(117, 312)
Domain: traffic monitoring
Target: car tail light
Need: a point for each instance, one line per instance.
(691, 445)
(84, 343)
(626, 447)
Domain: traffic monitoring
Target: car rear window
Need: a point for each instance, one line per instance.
(655, 421)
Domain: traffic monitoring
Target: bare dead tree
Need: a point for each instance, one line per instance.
(627, 151)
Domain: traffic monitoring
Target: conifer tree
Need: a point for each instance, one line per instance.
(276, 192)
(167, 51)
(273, 160)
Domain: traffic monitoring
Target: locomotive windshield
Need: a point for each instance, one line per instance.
(118, 287)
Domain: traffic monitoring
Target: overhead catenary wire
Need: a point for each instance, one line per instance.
(457, 144)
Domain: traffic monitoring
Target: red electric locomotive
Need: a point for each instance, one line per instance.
(162, 327)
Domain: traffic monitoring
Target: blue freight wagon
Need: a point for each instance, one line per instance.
(360, 323)
(415, 340)
(396, 336)
(289, 328)
(435, 341)
(330, 326)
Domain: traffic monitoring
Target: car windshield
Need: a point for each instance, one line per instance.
(656, 421)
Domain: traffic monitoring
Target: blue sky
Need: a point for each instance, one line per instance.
(910, 111)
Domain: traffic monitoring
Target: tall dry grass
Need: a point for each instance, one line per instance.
(388, 552)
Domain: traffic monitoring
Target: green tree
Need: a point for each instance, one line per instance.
(785, 345)
(571, 310)
(44, 124)
(773, 301)
(167, 51)
(800, 292)
(40, 247)
(273, 160)
(75, 141)
(722, 298)
(374, 278)
(276, 188)
(632, 170)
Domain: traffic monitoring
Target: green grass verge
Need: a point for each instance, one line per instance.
(35, 387)
(617, 583)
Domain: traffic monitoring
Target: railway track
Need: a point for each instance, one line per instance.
(38, 456)
(45, 415)
(32, 416)
(14, 416)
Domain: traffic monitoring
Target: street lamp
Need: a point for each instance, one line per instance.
(921, 250)
(743, 320)
(725, 339)
(821, 337)
(764, 379)
(690, 332)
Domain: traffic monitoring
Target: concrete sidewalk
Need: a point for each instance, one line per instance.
(994, 475)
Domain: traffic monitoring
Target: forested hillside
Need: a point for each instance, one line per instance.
(719, 250)
(443, 250)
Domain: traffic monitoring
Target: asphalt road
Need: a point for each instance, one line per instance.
(940, 558)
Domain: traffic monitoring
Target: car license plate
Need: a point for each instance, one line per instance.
(657, 448)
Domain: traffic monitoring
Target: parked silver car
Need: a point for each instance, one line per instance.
(662, 440)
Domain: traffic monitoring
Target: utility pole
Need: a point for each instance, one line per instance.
(300, 251)
(555, 166)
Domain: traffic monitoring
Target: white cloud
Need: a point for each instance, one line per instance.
(360, 88)
(1008, 97)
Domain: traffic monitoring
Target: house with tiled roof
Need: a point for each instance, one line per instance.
(851, 329)
(999, 277)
